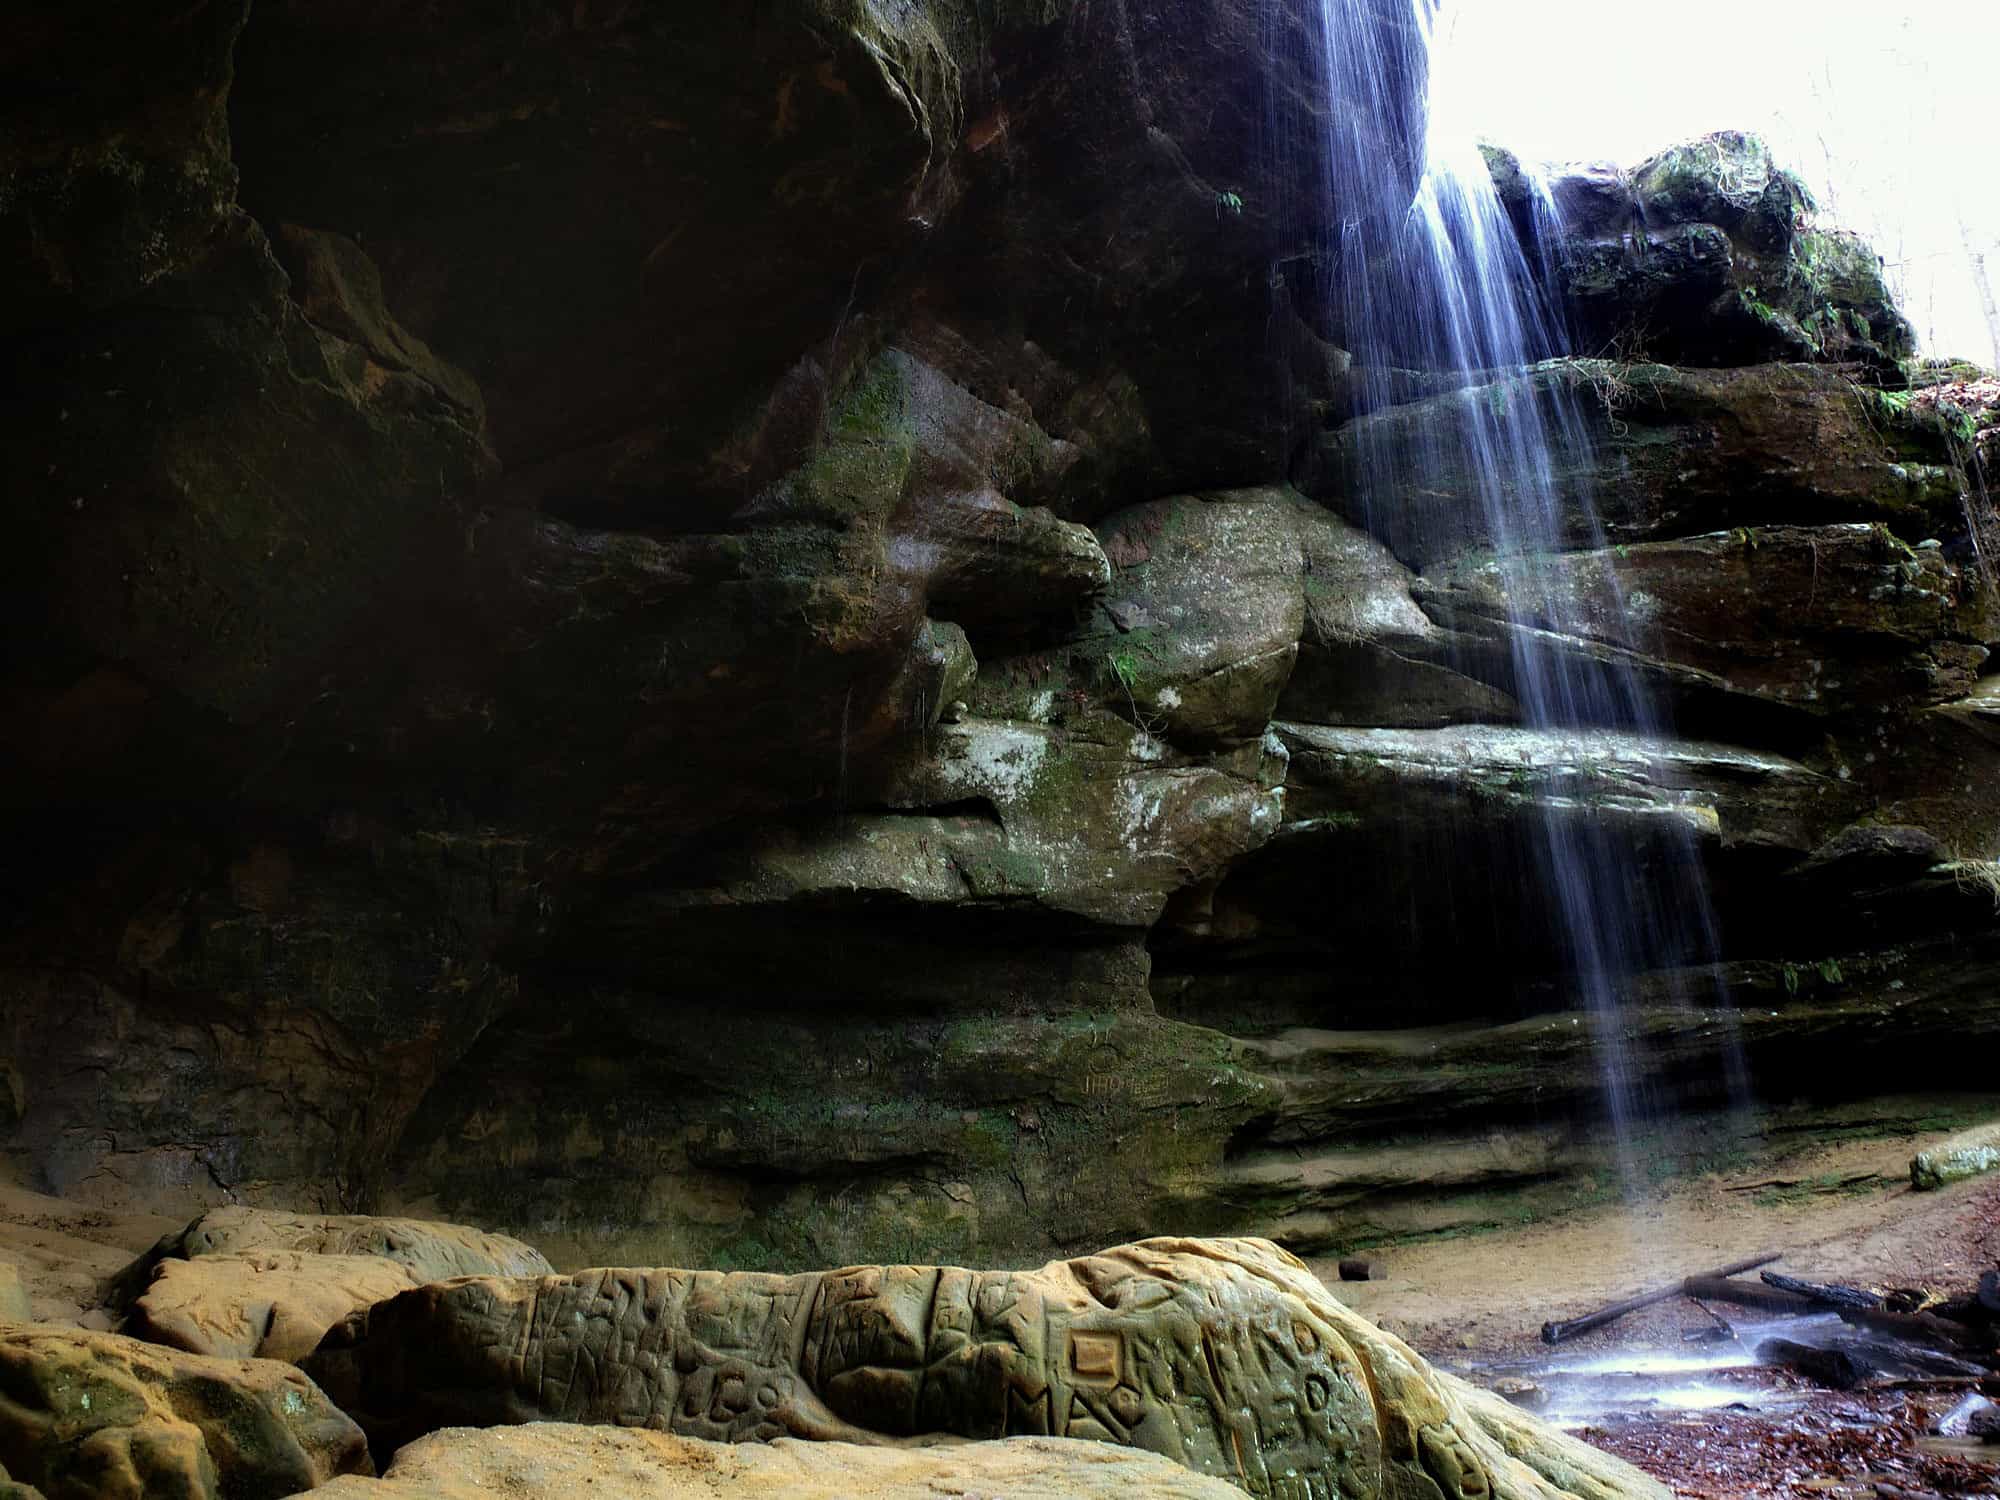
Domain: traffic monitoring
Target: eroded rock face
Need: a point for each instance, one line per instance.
(548, 1459)
(99, 1417)
(1225, 1356)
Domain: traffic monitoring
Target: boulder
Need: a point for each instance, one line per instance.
(1205, 608)
(432, 1251)
(555, 1460)
(268, 1304)
(1370, 655)
(1707, 254)
(92, 1416)
(288, 1243)
(1967, 1154)
(1225, 1355)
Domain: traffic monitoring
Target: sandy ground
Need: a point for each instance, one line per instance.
(1843, 1213)
(65, 1249)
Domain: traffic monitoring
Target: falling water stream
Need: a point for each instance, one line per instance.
(1447, 299)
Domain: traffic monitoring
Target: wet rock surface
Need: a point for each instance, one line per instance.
(1654, 452)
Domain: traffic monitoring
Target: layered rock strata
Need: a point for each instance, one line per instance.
(749, 638)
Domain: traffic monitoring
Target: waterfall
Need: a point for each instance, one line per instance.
(1446, 303)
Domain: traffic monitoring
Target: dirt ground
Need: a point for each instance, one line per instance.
(65, 1249)
(1844, 1212)
(1840, 1213)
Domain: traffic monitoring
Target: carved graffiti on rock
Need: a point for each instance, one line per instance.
(1223, 1355)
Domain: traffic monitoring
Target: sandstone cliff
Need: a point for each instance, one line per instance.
(746, 636)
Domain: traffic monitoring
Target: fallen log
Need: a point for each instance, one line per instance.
(1829, 1296)
(1836, 1369)
(1560, 1331)
(1912, 1361)
(1920, 1328)
(1755, 1294)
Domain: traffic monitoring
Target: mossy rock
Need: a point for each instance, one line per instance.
(1707, 254)
(1971, 1154)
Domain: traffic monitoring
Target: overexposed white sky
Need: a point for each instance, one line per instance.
(1889, 109)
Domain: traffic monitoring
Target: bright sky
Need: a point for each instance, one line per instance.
(1888, 108)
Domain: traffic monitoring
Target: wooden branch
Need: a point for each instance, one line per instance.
(1830, 1296)
(1559, 1332)
(1755, 1294)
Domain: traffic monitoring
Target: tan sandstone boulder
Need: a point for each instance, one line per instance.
(1226, 1356)
(264, 1304)
(430, 1252)
(93, 1416)
(555, 1459)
